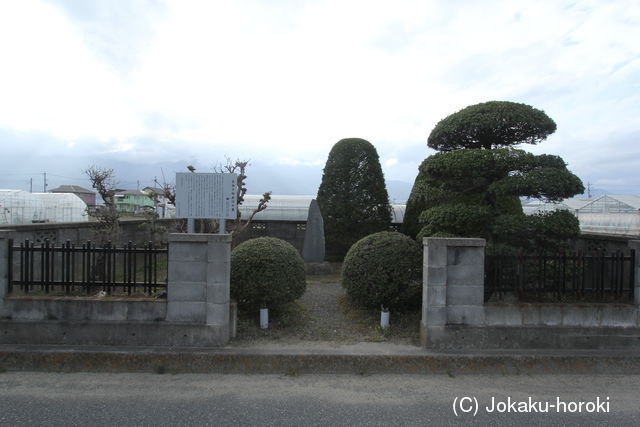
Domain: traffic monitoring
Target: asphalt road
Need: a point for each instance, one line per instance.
(89, 399)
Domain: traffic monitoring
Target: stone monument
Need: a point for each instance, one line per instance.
(313, 249)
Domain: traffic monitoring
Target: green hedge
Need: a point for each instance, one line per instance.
(384, 269)
(266, 272)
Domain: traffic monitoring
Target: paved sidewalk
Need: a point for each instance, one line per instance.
(316, 357)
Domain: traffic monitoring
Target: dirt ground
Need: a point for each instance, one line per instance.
(325, 314)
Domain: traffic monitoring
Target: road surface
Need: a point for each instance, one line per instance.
(83, 399)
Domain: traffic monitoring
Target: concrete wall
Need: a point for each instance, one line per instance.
(289, 231)
(195, 312)
(593, 242)
(454, 314)
(133, 230)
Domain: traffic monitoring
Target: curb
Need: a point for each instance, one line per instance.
(331, 361)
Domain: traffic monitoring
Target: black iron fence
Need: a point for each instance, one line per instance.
(575, 277)
(86, 269)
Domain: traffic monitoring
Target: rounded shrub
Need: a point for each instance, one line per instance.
(384, 269)
(266, 272)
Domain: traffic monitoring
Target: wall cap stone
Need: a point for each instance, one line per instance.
(453, 241)
(634, 244)
(199, 237)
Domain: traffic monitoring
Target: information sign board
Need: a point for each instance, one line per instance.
(206, 195)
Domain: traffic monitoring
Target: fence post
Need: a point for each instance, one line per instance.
(4, 268)
(634, 245)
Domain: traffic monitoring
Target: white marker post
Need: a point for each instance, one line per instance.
(206, 195)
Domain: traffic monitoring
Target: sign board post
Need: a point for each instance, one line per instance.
(206, 195)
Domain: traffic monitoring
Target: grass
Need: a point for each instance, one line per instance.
(283, 321)
(401, 325)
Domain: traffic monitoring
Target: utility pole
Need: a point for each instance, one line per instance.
(589, 190)
(30, 185)
(44, 186)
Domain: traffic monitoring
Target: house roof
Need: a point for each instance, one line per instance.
(154, 190)
(71, 189)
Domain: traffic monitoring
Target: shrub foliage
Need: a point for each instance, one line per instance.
(384, 269)
(472, 188)
(266, 272)
(353, 196)
(491, 124)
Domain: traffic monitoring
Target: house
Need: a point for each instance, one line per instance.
(132, 201)
(162, 206)
(87, 196)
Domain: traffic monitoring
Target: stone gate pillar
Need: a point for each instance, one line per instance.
(452, 285)
(198, 288)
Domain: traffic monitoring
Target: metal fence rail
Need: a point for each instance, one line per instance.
(86, 268)
(576, 276)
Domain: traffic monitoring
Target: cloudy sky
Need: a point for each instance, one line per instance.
(148, 87)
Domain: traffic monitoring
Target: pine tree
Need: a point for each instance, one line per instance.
(472, 187)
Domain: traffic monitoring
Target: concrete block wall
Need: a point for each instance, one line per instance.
(454, 314)
(196, 311)
(199, 274)
(453, 284)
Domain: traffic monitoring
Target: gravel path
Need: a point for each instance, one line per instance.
(327, 321)
(324, 314)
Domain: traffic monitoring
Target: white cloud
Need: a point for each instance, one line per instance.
(284, 82)
(51, 82)
(296, 162)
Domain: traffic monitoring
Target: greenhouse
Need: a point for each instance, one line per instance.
(21, 207)
(63, 207)
(533, 206)
(609, 214)
(279, 208)
(294, 208)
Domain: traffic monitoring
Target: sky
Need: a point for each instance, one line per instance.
(148, 87)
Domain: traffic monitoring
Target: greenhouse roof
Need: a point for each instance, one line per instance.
(293, 208)
(71, 189)
(612, 203)
(576, 203)
(632, 200)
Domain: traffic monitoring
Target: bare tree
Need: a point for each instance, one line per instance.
(103, 181)
(169, 193)
(239, 167)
